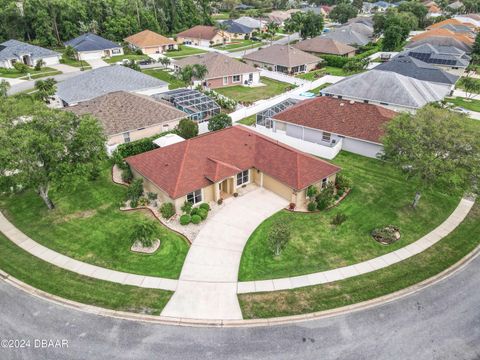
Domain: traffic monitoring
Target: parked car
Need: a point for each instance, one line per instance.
(461, 110)
(145, 62)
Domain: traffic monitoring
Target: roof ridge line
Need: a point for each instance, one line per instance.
(175, 189)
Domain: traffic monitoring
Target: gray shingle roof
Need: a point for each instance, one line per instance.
(250, 22)
(105, 80)
(439, 55)
(441, 41)
(389, 88)
(282, 55)
(412, 67)
(347, 35)
(237, 28)
(14, 49)
(91, 42)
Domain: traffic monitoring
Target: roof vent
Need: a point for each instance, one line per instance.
(166, 165)
(342, 104)
(352, 102)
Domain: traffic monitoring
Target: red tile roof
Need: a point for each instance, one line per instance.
(195, 163)
(356, 120)
(199, 32)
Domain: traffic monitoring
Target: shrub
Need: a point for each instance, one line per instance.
(312, 206)
(152, 196)
(135, 190)
(337, 196)
(205, 206)
(21, 67)
(194, 211)
(312, 191)
(185, 219)
(338, 219)
(325, 197)
(167, 210)
(278, 236)
(134, 148)
(202, 213)
(335, 60)
(219, 122)
(187, 207)
(134, 203)
(340, 192)
(220, 201)
(235, 194)
(127, 175)
(187, 128)
(292, 206)
(145, 232)
(196, 219)
(342, 182)
(387, 235)
(143, 201)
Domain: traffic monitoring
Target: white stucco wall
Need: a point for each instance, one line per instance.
(363, 148)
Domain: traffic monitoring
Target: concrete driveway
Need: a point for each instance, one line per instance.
(207, 288)
(97, 63)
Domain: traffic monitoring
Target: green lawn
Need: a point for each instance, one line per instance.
(252, 119)
(330, 70)
(49, 278)
(251, 94)
(163, 75)
(35, 74)
(88, 226)
(312, 75)
(238, 45)
(469, 104)
(318, 88)
(365, 287)
(117, 58)
(221, 16)
(460, 85)
(380, 196)
(183, 51)
(75, 63)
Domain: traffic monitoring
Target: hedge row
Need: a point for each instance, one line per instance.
(138, 146)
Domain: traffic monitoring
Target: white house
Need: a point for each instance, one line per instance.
(13, 51)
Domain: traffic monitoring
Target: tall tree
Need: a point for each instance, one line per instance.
(50, 149)
(343, 12)
(434, 146)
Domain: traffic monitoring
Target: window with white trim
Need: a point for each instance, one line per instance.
(225, 80)
(195, 197)
(126, 137)
(236, 78)
(242, 178)
(116, 51)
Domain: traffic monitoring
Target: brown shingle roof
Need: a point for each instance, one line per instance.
(218, 65)
(324, 45)
(198, 162)
(356, 120)
(147, 38)
(443, 32)
(199, 32)
(121, 111)
(282, 55)
(449, 22)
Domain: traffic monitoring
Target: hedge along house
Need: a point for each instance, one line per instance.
(150, 42)
(215, 165)
(283, 58)
(128, 117)
(323, 126)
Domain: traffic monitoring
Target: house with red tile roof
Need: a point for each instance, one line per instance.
(213, 166)
(149, 42)
(330, 123)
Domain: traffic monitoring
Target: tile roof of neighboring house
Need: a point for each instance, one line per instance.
(199, 32)
(323, 45)
(364, 29)
(348, 36)
(121, 111)
(455, 5)
(105, 80)
(12, 49)
(148, 38)
(412, 67)
(366, 20)
(237, 28)
(250, 22)
(449, 22)
(352, 119)
(389, 88)
(434, 9)
(218, 65)
(282, 55)
(444, 32)
(441, 41)
(91, 42)
(280, 16)
(198, 162)
(439, 55)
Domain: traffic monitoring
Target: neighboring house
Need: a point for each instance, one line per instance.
(104, 80)
(202, 35)
(279, 17)
(473, 19)
(128, 117)
(444, 32)
(361, 28)
(90, 46)
(12, 51)
(434, 11)
(379, 6)
(455, 22)
(325, 125)
(251, 23)
(365, 20)
(323, 10)
(283, 58)
(448, 58)
(150, 42)
(457, 5)
(223, 70)
(213, 166)
(348, 36)
(389, 89)
(461, 29)
(237, 30)
(441, 41)
(321, 45)
(417, 69)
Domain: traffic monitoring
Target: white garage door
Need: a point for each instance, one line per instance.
(91, 55)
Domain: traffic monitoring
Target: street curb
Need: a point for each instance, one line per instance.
(162, 320)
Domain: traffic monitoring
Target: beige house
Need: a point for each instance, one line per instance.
(216, 165)
(321, 45)
(283, 58)
(202, 35)
(128, 117)
(150, 42)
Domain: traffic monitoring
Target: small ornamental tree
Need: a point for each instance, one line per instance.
(278, 236)
(187, 128)
(145, 232)
(45, 89)
(135, 191)
(4, 87)
(219, 122)
(39, 64)
(434, 146)
(471, 86)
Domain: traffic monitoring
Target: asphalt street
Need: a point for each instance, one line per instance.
(439, 322)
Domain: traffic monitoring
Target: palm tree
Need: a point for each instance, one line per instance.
(186, 74)
(272, 28)
(199, 71)
(190, 72)
(165, 61)
(45, 89)
(4, 87)
(222, 27)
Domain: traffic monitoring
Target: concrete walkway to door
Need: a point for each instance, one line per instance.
(207, 288)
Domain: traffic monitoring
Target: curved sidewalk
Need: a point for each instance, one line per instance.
(79, 267)
(364, 267)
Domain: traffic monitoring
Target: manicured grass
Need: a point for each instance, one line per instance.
(318, 88)
(88, 226)
(118, 58)
(49, 278)
(163, 75)
(432, 261)
(330, 70)
(252, 94)
(238, 45)
(469, 104)
(183, 51)
(221, 16)
(460, 85)
(380, 196)
(249, 120)
(75, 63)
(35, 74)
(312, 75)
